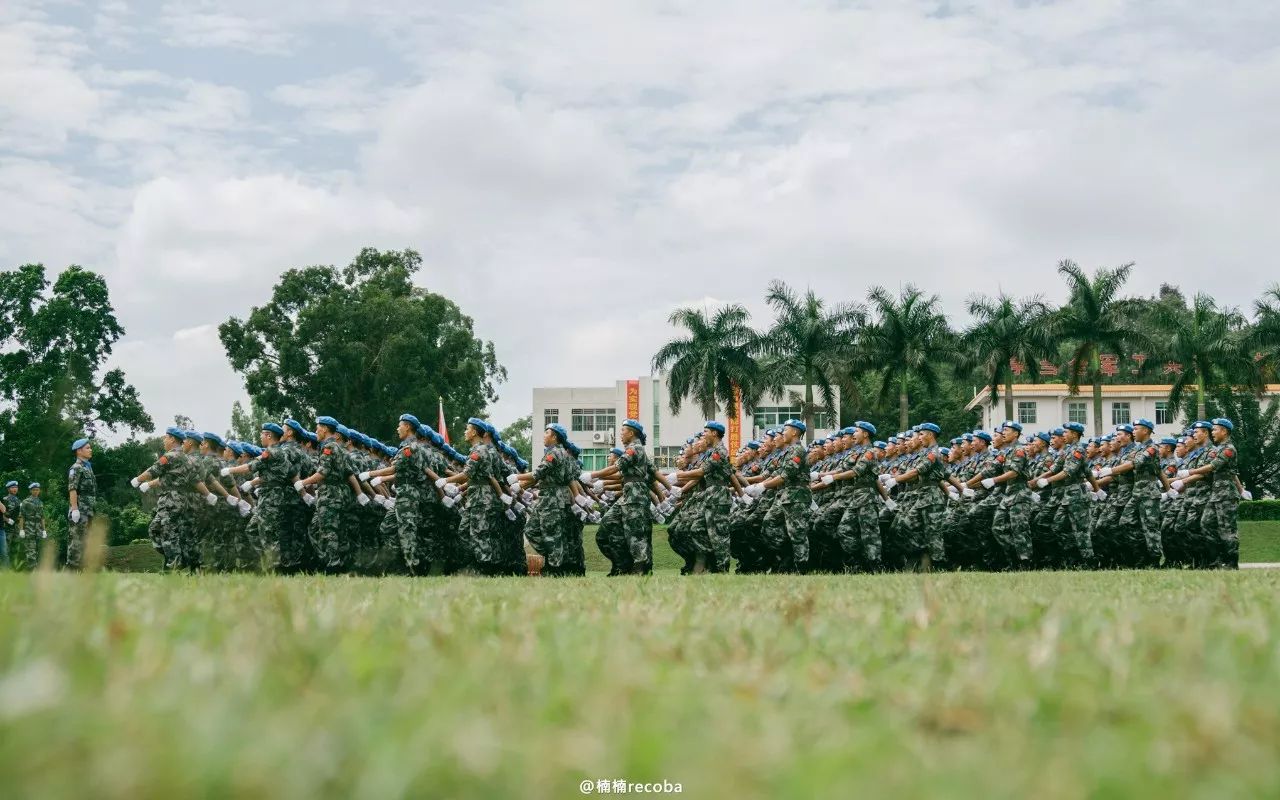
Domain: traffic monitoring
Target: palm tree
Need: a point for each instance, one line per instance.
(711, 361)
(1094, 319)
(1211, 346)
(808, 342)
(1264, 339)
(1005, 330)
(909, 338)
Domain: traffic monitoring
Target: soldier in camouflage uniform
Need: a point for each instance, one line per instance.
(1172, 451)
(1071, 518)
(82, 487)
(858, 529)
(1195, 496)
(480, 528)
(1220, 470)
(710, 524)
(1011, 525)
(987, 464)
(272, 526)
(174, 478)
(31, 525)
(337, 495)
(404, 523)
(637, 473)
(786, 524)
(9, 503)
(550, 519)
(1139, 523)
(922, 529)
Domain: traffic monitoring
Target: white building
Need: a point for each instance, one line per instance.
(592, 414)
(1043, 406)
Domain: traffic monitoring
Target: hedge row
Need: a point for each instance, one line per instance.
(1260, 510)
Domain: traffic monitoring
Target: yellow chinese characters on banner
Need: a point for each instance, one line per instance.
(633, 399)
(735, 424)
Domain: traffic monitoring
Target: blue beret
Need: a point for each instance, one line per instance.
(1169, 440)
(273, 428)
(411, 419)
(968, 437)
(1017, 426)
(634, 425)
(559, 431)
(34, 486)
(78, 443)
(176, 433)
(436, 439)
(194, 436)
(1044, 436)
(10, 484)
(1146, 423)
(983, 435)
(1073, 426)
(946, 451)
(236, 448)
(753, 444)
(343, 431)
(879, 444)
(426, 430)
(1201, 424)
(866, 426)
(932, 428)
(797, 424)
(712, 425)
(1057, 431)
(480, 425)
(296, 426)
(328, 422)
(312, 437)
(522, 464)
(893, 440)
(215, 439)
(617, 451)
(1126, 427)
(1223, 422)
(1106, 438)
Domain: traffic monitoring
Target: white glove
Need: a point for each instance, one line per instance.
(1184, 473)
(452, 489)
(22, 535)
(298, 486)
(889, 481)
(1173, 494)
(511, 515)
(747, 500)
(756, 489)
(1164, 495)
(594, 518)
(388, 503)
(211, 499)
(1101, 495)
(1105, 472)
(1246, 495)
(1097, 472)
(449, 501)
(1042, 483)
(1035, 497)
(44, 534)
(134, 482)
(247, 486)
(245, 508)
(506, 499)
(1177, 485)
(144, 487)
(376, 480)
(526, 497)
(585, 502)
(225, 471)
(598, 486)
(440, 483)
(585, 478)
(363, 477)
(827, 480)
(813, 507)
(233, 501)
(988, 483)
(953, 494)
(813, 477)
(75, 515)
(513, 479)
(967, 492)
(892, 505)
(676, 492)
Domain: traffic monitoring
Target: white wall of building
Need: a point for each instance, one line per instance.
(666, 431)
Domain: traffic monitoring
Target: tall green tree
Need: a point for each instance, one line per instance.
(1256, 434)
(1264, 338)
(909, 338)
(1212, 345)
(1005, 330)
(808, 343)
(363, 344)
(518, 434)
(714, 356)
(1093, 321)
(54, 343)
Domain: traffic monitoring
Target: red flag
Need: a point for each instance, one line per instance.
(441, 428)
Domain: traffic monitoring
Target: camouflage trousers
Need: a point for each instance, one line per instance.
(858, 532)
(825, 553)
(548, 525)
(923, 527)
(1219, 529)
(980, 519)
(76, 532)
(1011, 531)
(680, 531)
(171, 532)
(709, 528)
(637, 527)
(481, 530)
(612, 541)
(32, 544)
(405, 528)
(1071, 528)
(746, 542)
(273, 529)
(1187, 529)
(329, 528)
(786, 530)
(1110, 543)
(1140, 524)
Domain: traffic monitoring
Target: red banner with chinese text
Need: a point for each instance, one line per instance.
(633, 400)
(735, 424)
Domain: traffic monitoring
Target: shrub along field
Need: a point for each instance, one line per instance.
(1035, 684)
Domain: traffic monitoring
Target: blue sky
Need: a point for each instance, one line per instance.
(573, 171)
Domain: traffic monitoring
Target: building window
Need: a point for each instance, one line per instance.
(1164, 414)
(550, 417)
(594, 458)
(1078, 412)
(773, 416)
(665, 457)
(1119, 413)
(1027, 412)
(594, 419)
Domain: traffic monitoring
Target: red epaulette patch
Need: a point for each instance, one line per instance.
(407, 452)
(631, 451)
(1151, 451)
(164, 459)
(796, 459)
(715, 456)
(550, 458)
(933, 456)
(265, 454)
(1019, 452)
(1228, 452)
(328, 452)
(1078, 455)
(475, 456)
(1000, 459)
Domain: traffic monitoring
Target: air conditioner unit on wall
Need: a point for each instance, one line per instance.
(599, 437)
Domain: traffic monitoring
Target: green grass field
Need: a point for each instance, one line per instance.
(1047, 685)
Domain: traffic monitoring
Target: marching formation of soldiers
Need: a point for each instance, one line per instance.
(332, 499)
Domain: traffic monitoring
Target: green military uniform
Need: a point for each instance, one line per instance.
(549, 519)
(32, 533)
(276, 515)
(637, 522)
(1071, 519)
(1218, 523)
(858, 532)
(1140, 518)
(172, 524)
(786, 524)
(334, 507)
(1011, 525)
(82, 481)
(711, 524)
(480, 526)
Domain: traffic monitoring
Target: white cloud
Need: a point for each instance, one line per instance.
(200, 23)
